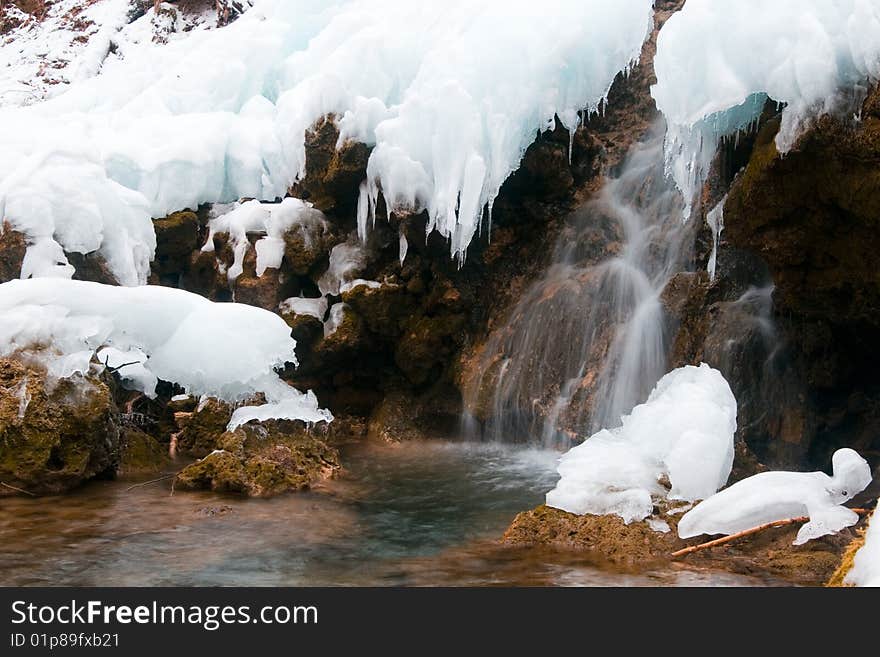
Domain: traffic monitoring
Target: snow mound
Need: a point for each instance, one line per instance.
(224, 350)
(683, 433)
(866, 565)
(771, 496)
(451, 94)
(718, 61)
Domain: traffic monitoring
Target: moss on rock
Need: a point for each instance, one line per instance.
(140, 453)
(54, 435)
(201, 430)
(262, 461)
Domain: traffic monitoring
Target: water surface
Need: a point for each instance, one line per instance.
(416, 514)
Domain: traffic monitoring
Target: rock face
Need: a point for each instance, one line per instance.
(53, 435)
(262, 461)
(794, 313)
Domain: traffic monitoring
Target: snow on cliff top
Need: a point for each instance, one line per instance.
(451, 94)
(718, 61)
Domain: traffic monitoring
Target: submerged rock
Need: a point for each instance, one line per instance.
(262, 461)
(54, 435)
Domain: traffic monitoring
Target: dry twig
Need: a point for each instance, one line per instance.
(749, 532)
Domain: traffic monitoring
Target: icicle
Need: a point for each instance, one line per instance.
(404, 245)
(715, 219)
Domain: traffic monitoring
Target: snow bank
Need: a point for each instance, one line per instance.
(771, 496)
(224, 350)
(683, 433)
(866, 565)
(274, 220)
(718, 61)
(450, 94)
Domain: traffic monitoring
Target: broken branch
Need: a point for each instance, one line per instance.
(749, 532)
(16, 489)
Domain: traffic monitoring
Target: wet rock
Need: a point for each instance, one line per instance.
(427, 344)
(385, 309)
(13, 246)
(812, 216)
(305, 329)
(769, 552)
(202, 428)
(262, 461)
(332, 175)
(202, 275)
(262, 291)
(349, 337)
(306, 248)
(403, 416)
(140, 453)
(91, 267)
(846, 563)
(54, 435)
(177, 237)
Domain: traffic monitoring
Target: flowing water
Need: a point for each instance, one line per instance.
(587, 341)
(418, 514)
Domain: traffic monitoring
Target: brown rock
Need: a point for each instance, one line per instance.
(53, 436)
(262, 461)
(13, 246)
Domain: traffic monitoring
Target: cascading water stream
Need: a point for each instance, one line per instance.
(587, 342)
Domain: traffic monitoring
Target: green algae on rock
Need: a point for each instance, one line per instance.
(262, 461)
(54, 434)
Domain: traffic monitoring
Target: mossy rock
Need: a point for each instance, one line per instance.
(349, 338)
(427, 344)
(53, 435)
(838, 578)
(403, 416)
(768, 553)
(333, 175)
(201, 430)
(305, 329)
(140, 453)
(385, 309)
(262, 461)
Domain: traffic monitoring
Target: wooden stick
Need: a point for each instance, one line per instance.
(17, 489)
(749, 532)
(152, 481)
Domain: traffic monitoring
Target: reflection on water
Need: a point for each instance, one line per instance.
(417, 514)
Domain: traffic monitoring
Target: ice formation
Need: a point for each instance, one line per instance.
(717, 62)
(450, 94)
(274, 220)
(683, 433)
(316, 308)
(866, 564)
(347, 260)
(224, 350)
(715, 219)
(771, 496)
